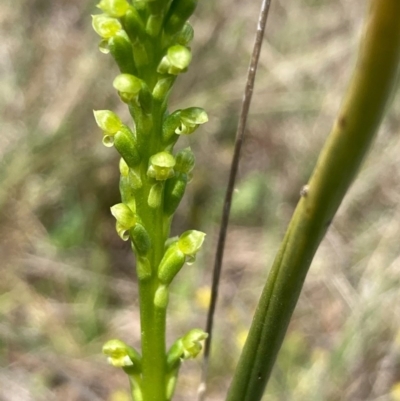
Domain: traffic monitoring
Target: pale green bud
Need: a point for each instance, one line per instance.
(173, 192)
(108, 121)
(180, 11)
(140, 239)
(123, 168)
(171, 263)
(155, 195)
(162, 88)
(125, 143)
(143, 267)
(126, 219)
(105, 26)
(191, 343)
(120, 48)
(185, 36)
(128, 87)
(133, 24)
(176, 60)
(161, 297)
(185, 161)
(114, 8)
(171, 124)
(121, 355)
(191, 118)
(161, 166)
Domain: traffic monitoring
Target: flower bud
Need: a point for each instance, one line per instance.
(171, 124)
(185, 161)
(185, 36)
(143, 267)
(141, 239)
(127, 194)
(180, 11)
(191, 118)
(123, 168)
(126, 219)
(108, 121)
(128, 87)
(176, 61)
(121, 355)
(105, 26)
(161, 297)
(161, 166)
(155, 195)
(191, 343)
(121, 49)
(173, 193)
(162, 88)
(174, 355)
(171, 264)
(114, 8)
(133, 25)
(125, 143)
(154, 24)
(146, 99)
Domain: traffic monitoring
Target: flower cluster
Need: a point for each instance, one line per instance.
(150, 43)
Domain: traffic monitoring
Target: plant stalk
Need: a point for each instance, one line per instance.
(360, 115)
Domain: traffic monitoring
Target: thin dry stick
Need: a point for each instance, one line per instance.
(248, 93)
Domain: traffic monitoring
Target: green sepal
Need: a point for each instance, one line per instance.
(108, 121)
(173, 193)
(125, 143)
(178, 14)
(155, 195)
(121, 49)
(140, 239)
(171, 263)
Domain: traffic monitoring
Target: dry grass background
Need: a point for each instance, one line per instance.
(67, 281)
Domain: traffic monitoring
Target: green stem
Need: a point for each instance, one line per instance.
(358, 120)
(153, 319)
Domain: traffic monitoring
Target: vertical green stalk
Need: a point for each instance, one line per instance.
(149, 40)
(359, 117)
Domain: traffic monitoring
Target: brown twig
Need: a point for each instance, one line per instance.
(248, 93)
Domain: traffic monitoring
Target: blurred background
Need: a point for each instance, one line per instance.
(67, 281)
